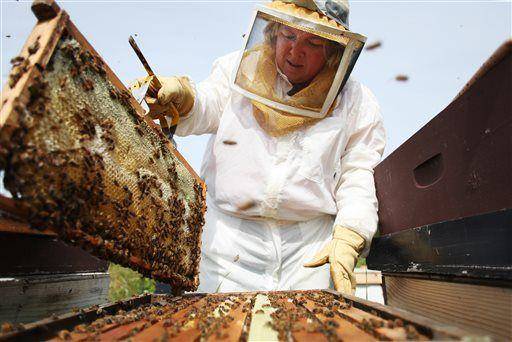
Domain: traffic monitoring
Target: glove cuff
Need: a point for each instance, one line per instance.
(349, 237)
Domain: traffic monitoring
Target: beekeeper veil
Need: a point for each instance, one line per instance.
(296, 59)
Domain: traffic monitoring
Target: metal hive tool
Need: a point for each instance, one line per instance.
(252, 316)
(80, 159)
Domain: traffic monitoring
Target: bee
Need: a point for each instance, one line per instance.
(17, 60)
(34, 47)
(376, 323)
(109, 142)
(411, 332)
(63, 81)
(73, 71)
(398, 323)
(64, 335)
(87, 84)
(99, 66)
(374, 45)
(113, 93)
(246, 206)
(332, 323)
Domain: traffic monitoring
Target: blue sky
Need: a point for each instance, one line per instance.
(438, 44)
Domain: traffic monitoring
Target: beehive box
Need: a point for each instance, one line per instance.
(445, 209)
(80, 159)
(252, 316)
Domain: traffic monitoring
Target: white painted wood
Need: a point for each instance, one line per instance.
(365, 276)
(260, 329)
(369, 284)
(373, 293)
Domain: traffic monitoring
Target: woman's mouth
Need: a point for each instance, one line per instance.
(293, 65)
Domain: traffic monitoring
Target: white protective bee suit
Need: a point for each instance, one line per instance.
(273, 201)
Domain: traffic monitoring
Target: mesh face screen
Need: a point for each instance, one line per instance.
(288, 65)
(87, 166)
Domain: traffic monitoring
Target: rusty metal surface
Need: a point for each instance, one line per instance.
(252, 316)
(459, 164)
(83, 162)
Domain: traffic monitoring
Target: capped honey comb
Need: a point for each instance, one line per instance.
(79, 156)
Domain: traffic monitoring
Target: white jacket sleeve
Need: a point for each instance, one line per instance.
(211, 96)
(355, 194)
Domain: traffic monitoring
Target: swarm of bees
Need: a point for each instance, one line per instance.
(292, 315)
(86, 165)
(19, 67)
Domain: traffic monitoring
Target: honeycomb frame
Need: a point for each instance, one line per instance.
(82, 161)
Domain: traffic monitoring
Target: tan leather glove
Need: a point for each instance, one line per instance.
(175, 91)
(341, 253)
(178, 91)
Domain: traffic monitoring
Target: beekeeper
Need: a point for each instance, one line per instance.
(289, 166)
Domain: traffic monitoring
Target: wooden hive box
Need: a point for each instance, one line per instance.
(445, 210)
(81, 160)
(40, 275)
(313, 315)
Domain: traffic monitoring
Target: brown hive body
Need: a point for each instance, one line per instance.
(81, 160)
(251, 316)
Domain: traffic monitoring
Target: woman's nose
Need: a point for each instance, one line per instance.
(296, 50)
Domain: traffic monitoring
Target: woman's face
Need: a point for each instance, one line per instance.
(300, 55)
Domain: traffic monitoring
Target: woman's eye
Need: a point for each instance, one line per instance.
(315, 43)
(288, 36)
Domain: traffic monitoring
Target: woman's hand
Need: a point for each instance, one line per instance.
(167, 96)
(341, 253)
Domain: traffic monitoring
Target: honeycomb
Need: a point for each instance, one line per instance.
(87, 166)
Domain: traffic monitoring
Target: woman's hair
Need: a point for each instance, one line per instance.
(335, 50)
